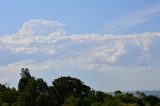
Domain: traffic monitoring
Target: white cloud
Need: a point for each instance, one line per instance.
(109, 53)
(52, 52)
(109, 48)
(34, 36)
(117, 58)
(9, 73)
(92, 49)
(34, 27)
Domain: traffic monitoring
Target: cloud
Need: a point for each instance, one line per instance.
(133, 19)
(46, 49)
(105, 49)
(37, 35)
(39, 26)
(114, 77)
(10, 72)
(29, 63)
(109, 49)
(108, 52)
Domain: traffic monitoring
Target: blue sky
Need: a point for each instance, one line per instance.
(108, 44)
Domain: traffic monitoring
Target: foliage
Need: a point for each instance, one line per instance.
(43, 100)
(41, 86)
(69, 85)
(67, 91)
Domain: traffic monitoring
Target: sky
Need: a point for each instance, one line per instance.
(109, 45)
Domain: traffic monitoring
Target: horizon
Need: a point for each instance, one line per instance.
(108, 45)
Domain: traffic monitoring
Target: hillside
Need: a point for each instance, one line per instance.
(148, 92)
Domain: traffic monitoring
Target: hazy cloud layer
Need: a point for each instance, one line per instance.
(48, 37)
(88, 52)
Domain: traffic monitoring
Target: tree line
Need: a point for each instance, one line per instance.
(67, 91)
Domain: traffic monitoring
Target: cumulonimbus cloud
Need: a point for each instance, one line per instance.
(49, 37)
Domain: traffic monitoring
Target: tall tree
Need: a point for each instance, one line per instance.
(42, 86)
(68, 85)
(25, 73)
(27, 87)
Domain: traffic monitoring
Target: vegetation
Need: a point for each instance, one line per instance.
(67, 91)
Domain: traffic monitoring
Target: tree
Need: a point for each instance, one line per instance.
(25, 99)
(43, 100)
(71, 100)
(25, 77)
(42, 86)
(97, 104)
(25, 73)
(3, 88)
(66, 91)
(153, 100)
(128, 98)
(117, 93)
(100, 96)
(7, 95)
(55, 98)
(28, 89)
(69, 85)
(140, 94)
(110, 102)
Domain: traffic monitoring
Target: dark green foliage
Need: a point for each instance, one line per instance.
(22, 84)
(43, 100)
(140, 95)
(3, 88)
(25, 73)
(8, 96)
(85, 102)
(100, 96)
(67, 91)
(110, 102)
(69, 85)
(55, 98)
(71, 100)
(153, 100)
(25, 99)
(41, 86)
(97, 104)
(117, 93)
(29, 92)
(128, 98)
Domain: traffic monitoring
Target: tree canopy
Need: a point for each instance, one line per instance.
(67, 91)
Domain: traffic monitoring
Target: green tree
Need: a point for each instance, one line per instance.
(3, 88)
(42, 86)
(117, 93)
(100, 96)
(140, 94)
(86, 102)
(70, 100)
(97, 104)
(55, 98)
(152, 100)
(9, 96)
(28, 89)
(25, 73)
(68, 85)
(25, 77)
(43, 100)
(25, 99)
